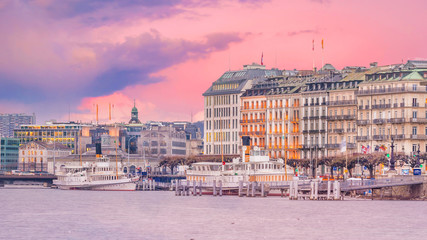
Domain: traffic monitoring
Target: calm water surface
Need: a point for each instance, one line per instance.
(58, 214)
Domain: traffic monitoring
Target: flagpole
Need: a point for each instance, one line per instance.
(322, 53)
(313, 55)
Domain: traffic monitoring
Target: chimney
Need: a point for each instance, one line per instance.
(373, 64)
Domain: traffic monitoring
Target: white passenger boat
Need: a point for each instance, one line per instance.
(257, 168)
(101, 175)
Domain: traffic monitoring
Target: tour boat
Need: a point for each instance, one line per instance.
(256, 168)
(101, 175)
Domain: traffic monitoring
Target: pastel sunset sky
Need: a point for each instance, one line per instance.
(61, 56)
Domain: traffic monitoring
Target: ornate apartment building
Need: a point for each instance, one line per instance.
(314, 115)
(392, 105)
(342, 115)
(222, 106)
(318, 115)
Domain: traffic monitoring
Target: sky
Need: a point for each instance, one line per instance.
(58, 59)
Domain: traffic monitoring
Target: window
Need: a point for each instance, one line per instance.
(414, 102)
(414, 87)
(414, 114)
(414, 130)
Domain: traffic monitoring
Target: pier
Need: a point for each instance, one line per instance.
(314, 189)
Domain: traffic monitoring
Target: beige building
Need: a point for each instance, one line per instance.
(222, 108)
(392, 105)
(34, 156)
(342, 115)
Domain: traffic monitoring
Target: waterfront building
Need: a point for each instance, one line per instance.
(158, 141)
(9, 122)
(222, 108)
(315, 96)
(33, 156)
(392, 104)
(9, 153)
(62, 133)
(342, 115)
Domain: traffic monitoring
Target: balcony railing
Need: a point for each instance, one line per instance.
(339, 130)
(390, 90)
(332, 146)
(398, 137)
(343, 102)
(381, 106)
(363, 122)
(351, 145)
(397, 120)
(379, 121)
(380, 137)
(363, 138)
(418, 136)
(418, 120)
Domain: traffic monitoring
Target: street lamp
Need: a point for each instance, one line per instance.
(418, 157)
(129, 148)
(392, 155)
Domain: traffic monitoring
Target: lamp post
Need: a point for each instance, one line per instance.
(129, 147)
(418, 157)
(392, 155)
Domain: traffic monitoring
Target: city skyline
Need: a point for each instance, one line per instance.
(60, 57)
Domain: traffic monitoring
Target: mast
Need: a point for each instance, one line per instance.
(117, 165)
(220, 136)
(80, 149)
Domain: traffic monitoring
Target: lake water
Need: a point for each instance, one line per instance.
(59, 214)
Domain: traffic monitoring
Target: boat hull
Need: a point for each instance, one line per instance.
(111, 186)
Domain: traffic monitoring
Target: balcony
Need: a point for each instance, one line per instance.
(351, 145)
(339, 130)
(379, 121)
(380, 137)
(381, 106)
(342, 103)
(305, 118)
(313, 117)
(304, 131)
(423, 137)
(323, 117)
(363, 122)
(332, 146)
(322, 131)
(397, 120)
(363, 138)
(418, 120)
(398, 137)
(349, 117)
(313, 131)
(391, 90)
(360, 107)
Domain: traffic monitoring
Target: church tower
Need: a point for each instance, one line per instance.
(134, 114)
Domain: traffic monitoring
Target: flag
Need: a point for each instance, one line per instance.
(322, 43)
(343, 145)
(262, 58)
(364, 149)
(313, 45)
(377, 148)
(383, 148)
(368, 148)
